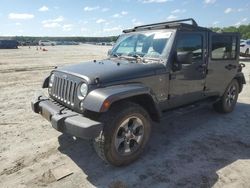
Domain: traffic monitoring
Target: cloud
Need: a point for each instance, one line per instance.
(43, 9)
(53, 23)
(23, 16)
(118, 28)
(58, 19)
(216, 22)
(155, 1)
(242, 21)
(18, 24)
(100, 21)
(83, 22)
(124, 13)
(171, 17)
(116, 16)
(228, 10)
(209, 1)
(105, 9)
(83, 29)
(67, 27)
(136, 22)
(176, 11)
(91, 8)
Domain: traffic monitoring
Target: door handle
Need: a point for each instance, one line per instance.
(230, 67)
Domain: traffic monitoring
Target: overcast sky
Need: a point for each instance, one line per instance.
(109, 17)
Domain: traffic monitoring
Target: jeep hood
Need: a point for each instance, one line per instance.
(112, 70)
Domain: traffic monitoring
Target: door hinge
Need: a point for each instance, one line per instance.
(168, 96)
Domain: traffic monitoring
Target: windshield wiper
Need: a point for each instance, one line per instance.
(138, 57)
(122, 56)
(135, 57)
(127, 57)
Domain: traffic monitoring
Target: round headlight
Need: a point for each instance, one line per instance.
(83, 90)
(51, 80)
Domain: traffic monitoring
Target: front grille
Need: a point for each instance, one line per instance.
(63, 90)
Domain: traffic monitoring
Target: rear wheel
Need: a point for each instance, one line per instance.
(126, 132)
(229, 99)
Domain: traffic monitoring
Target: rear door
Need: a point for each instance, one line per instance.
(223, 61)
(187, 84)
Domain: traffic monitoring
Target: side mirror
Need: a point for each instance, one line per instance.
(184, 57)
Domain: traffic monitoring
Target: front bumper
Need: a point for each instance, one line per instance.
(66, 120)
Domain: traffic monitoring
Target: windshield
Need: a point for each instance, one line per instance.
(144, 44)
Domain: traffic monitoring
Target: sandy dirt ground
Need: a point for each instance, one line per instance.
(198, 149)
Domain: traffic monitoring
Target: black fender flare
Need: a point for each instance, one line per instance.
(46, 82)
(241, 79)
(96, 99)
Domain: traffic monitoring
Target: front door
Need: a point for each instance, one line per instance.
(187, 83)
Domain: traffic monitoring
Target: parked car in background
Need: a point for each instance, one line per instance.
(242, 41)
(8, 44)
(28, 43)
(46, 43)
(245, 47)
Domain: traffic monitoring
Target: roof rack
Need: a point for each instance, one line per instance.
(163, 24)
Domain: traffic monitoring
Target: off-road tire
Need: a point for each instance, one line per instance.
(104, 144)
(222, 105)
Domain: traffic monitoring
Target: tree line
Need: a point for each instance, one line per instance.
(244, 30)
(75, 39)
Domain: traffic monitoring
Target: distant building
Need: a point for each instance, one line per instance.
(8, 44)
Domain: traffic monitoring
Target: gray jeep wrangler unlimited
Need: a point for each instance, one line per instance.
(151, 70)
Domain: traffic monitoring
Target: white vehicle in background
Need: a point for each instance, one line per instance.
(46, 43)
(245, 47)
(242, 41)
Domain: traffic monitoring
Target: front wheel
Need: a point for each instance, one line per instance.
(126, 131)
(229, 99)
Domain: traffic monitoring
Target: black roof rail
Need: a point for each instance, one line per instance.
(169, 22)
(155, 25)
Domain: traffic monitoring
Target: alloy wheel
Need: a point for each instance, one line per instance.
(129, 136)
(231, 95)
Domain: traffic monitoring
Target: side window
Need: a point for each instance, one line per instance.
(223, 47)
(190, 42)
